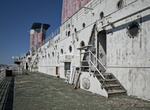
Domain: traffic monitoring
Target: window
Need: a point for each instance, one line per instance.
(70, 48)
(82, 44)
(101, 14)
(67, 65)
(75, 30)
(69, 26)
(32, 42)
(61, 51)
(83, 25)
(120, 4)
(68, 33)
(133, 29)
(53, 54)
(33, 36)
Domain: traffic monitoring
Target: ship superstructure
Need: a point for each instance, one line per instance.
(104, 47)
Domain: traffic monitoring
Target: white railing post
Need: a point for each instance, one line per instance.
(98, 70)
(89, 60)
(80, 61)
(18, 70)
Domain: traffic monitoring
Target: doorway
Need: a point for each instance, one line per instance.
(26, 66)
(57, 71)
(101, 49)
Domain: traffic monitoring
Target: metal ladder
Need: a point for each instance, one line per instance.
(33, 61)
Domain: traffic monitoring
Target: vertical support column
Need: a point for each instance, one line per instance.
(18, 70)
(96, 40)
(80, 61)
(89, 60)
(21, 69)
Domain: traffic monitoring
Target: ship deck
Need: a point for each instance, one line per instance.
(37, 91)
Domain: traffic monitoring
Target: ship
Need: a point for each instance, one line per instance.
(102, 46)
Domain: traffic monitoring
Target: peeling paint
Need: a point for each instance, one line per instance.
(128, 58)
(70, 7)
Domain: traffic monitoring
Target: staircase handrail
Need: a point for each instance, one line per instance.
(99, 61)
(97, 69)
(103, 67)
(32, 62)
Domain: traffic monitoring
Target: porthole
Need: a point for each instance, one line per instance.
(82, 44)
(53, 54)
(133, 29)
(120, 4)
(101, 14)
(61, 51)
(75, 30)
(83, 25)
(68, 33)
(68, 25)
(70, 48)
(93, 14)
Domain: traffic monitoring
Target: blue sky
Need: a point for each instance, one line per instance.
(16, 19)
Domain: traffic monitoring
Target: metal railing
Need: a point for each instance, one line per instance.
(75, 17)
(91, 62)
(16, 69)
(2, 74)
(98, 70)
(51, 36)
(34, 59)
(47, 39)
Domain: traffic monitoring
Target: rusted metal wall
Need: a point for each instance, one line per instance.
(37, 33)
(38, 38)
(70, 7)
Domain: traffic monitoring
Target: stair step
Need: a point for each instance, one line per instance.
(116, 92)
(84, 66)
(111, 85)
(84, 52)
(102, 74)
(107, 80)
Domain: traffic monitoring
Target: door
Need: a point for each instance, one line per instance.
(57, 71)
(101, 49)
(26, 65)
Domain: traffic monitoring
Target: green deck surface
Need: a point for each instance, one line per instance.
(37, 91)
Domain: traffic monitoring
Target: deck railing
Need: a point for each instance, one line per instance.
(75, 17)
(2, 74)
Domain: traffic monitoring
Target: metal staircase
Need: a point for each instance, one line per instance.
(107, 80)
(33, 61)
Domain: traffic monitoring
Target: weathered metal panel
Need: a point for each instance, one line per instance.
(70, 7)
(38, 38)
